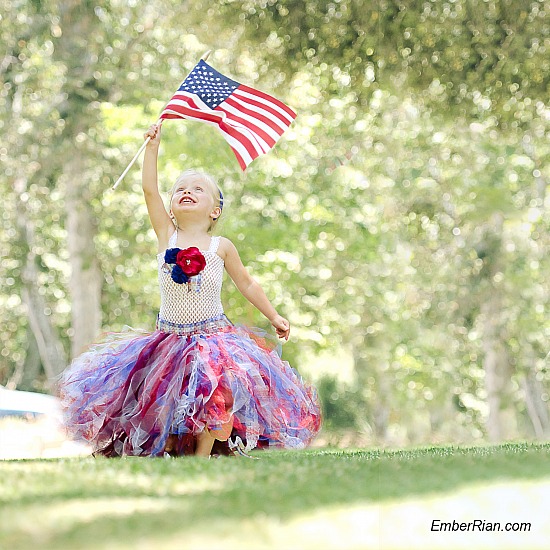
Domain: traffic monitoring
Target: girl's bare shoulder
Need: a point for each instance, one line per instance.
(226, 247)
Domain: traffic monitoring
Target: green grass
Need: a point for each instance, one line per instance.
(189, 502)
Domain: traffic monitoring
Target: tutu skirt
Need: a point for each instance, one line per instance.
(128, 393)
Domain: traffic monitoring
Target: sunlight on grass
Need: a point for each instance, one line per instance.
(332, 528)
(145, 483)
(314, 499)
(407, 523)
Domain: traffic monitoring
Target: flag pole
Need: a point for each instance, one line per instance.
(132, 162)
(136, 156)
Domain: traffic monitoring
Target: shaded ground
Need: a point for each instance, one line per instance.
(286, 500)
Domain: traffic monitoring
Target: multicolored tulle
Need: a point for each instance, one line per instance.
(129, 393)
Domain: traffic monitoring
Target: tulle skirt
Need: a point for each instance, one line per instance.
(128, 393)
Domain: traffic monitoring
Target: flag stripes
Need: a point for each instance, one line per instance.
(250, 121)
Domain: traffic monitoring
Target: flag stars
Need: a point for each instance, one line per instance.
(208, 85)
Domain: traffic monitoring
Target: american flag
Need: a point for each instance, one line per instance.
(250, 121)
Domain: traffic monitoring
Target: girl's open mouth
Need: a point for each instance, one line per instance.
(186, 200)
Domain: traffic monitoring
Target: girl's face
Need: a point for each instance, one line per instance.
(193, 196)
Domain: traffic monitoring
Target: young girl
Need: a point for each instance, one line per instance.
(198, 384)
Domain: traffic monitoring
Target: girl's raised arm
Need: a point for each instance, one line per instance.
(250, 288)
(162, 224)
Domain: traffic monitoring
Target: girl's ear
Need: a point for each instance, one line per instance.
(216, 213)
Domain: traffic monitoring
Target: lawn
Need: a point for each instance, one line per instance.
(316, 499)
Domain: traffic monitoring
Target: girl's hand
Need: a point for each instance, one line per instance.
(282, 326)
(154, 133)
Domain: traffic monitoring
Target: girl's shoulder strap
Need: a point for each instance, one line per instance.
(214, 244)
(173, 238)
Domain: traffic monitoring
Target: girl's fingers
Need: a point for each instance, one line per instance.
(283, 332)
(282, 327)
(152, 132)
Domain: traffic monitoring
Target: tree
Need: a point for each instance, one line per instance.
(402, 218)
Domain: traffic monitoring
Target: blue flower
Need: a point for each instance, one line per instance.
(178, 276)
(170, 255)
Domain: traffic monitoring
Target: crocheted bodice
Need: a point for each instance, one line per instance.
(195, 302)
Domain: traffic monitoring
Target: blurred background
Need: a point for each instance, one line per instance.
(401, 224)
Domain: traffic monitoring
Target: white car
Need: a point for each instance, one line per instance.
(27, 404)
(31, 427)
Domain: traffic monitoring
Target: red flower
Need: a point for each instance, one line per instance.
(191, 261)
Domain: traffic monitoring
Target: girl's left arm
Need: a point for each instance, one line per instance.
(250, 289)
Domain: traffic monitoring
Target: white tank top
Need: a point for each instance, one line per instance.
(198, 301)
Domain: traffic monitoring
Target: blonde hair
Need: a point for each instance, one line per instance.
(215, 191)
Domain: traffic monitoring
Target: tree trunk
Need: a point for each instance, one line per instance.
(26, 371)
(501, 422)
(49, 345)
(32, 365)
(79, 23)
(537, 408)
(375, 365)
(86, 279)
(496, 372)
